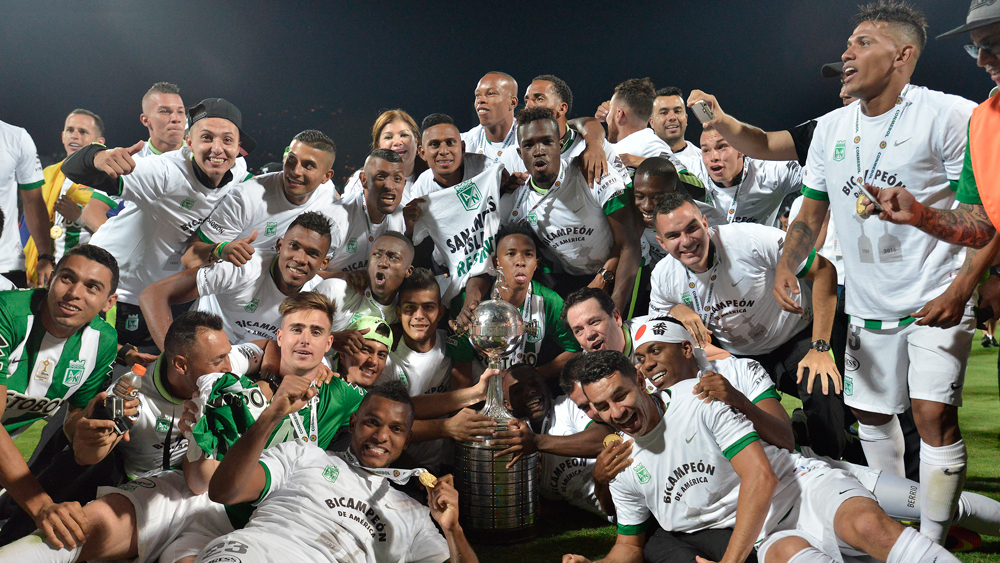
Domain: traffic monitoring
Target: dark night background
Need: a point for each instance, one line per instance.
(333, 66)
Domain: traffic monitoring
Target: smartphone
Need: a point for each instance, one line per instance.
(702, 111)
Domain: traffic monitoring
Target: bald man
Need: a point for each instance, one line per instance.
(496, 98)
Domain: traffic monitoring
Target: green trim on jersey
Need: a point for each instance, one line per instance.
(968, 190)
(203, 238)
(738, 446)
(101, 197)
(953, 185)
(82, 370)
(771, 393)
(267, 484)
(617, 202)
(808, 265)
(32, 186)
(879, 325)
(152, 148)
(814, 194)
(247, 177)
(687, 177)
(634, 530)
(159, 373)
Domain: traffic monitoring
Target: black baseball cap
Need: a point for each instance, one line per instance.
(217, 107)
(981, 14)
(832, 70)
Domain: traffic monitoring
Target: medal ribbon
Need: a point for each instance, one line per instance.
(732, 208)
(703, 309)
(299, 429)
(505, 143)
(398, 476)
(869, 177)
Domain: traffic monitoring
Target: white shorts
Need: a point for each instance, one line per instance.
(823, 490)
(164, 510)
(884, 369)
(251, 546)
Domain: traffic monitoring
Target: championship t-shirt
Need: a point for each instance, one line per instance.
(892, 270)
(472, 165)
(259, 204)
(317, 506)
(733, 297)
(42, 372)
(20, 169)
(352, 305)
(476, 142)
(681, 474)
(747, 376)
(570, 218)
(764, 185)
(652, 252)
(568, 478)
(462, 222)
(354, 187)
(247, 296)
(690, 157)
(358, 233)
(170, 203)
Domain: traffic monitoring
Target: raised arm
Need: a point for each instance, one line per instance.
(969, 225)
(747, 139)
(156, 299)
(626, 228)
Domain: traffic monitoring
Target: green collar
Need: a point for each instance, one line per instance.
(159, 375)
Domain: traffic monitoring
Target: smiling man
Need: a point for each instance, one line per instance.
(256, 213)
(54, 349)
(595, 322)
(249, 296)
(170, 195)
(496, 98)
(442, 147)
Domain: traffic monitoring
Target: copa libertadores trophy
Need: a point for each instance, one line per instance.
(497, 504)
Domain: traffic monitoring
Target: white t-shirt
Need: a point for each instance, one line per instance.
(831, 246)
(742, 313)
(353, 187)
(681, 474)
(568, 478)
(352, 305)
(690, 157)
(473, 165)
(765, 185)
(476, 142)
(462, 222)
(652, 252)
(259, 204)
(170, 203)
(747, 376)
(573, 148)
(358, 233)
(20, 169)
(316, 507)
(247, 296)
(892, 270)
(571, 218)
(646, 144)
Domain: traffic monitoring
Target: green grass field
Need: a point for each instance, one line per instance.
(566, 529)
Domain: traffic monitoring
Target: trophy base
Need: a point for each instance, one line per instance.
(497, 505)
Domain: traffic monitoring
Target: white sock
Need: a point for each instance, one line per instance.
(883, 446)
(979, 513)
(899, 497)
(942, 474)
(34, 549)
(913, 547)
(811, 555)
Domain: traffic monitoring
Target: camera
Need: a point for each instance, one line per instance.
(113, 408)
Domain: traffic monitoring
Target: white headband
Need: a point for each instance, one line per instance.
(670, 332)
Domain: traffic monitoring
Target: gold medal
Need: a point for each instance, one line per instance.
(56, 231)
(861, 207)
(611, 439)
(427, 479)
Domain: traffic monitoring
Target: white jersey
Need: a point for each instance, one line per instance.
(568, 478)
(353, 187)
(20, 169)
(472, 165)
(476, 142)
(689, 157)
(570, 218)
(352, 305)
(170, 203)
(247, 296)
(652, 252)
(646, 144)
(259, 204)
(573, 146)
(462, 222)
(358, 233)
(733, 297)
(159, 413)
(747, 376)
(892, 270)
(316, 506)
(831, 246)
(423, 373)
(758, 197)
(681, 473)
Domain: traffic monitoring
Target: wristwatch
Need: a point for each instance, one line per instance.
(821, 345)
(608, 275)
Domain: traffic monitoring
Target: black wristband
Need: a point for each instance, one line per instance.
(120, 356)
(48, 257)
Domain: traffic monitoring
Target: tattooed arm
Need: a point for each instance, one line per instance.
(799, 243)
(966, 226)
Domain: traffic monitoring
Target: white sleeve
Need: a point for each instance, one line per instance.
(630, 503)
(427, 545)
(615, 164)
(28, 169)
(730, 428)
(752, 379)
(814, 175)
(226, 278)
(345, 299)
(790, 174)
(228, 219)
(279, 462)
(768, 243)
(148, 182)
(661, 298)
(794, 211)
(954, 137)
(242, 356)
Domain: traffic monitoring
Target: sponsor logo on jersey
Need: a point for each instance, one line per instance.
(19, 404)
(74, 372)
(851, 363)
(132, 322)
(840, 150)
(468, 193)
(330, 473)
(251, 306)
(138, 483)
(271, 229)
(188, 203)
(352, 245)
(642, 473)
